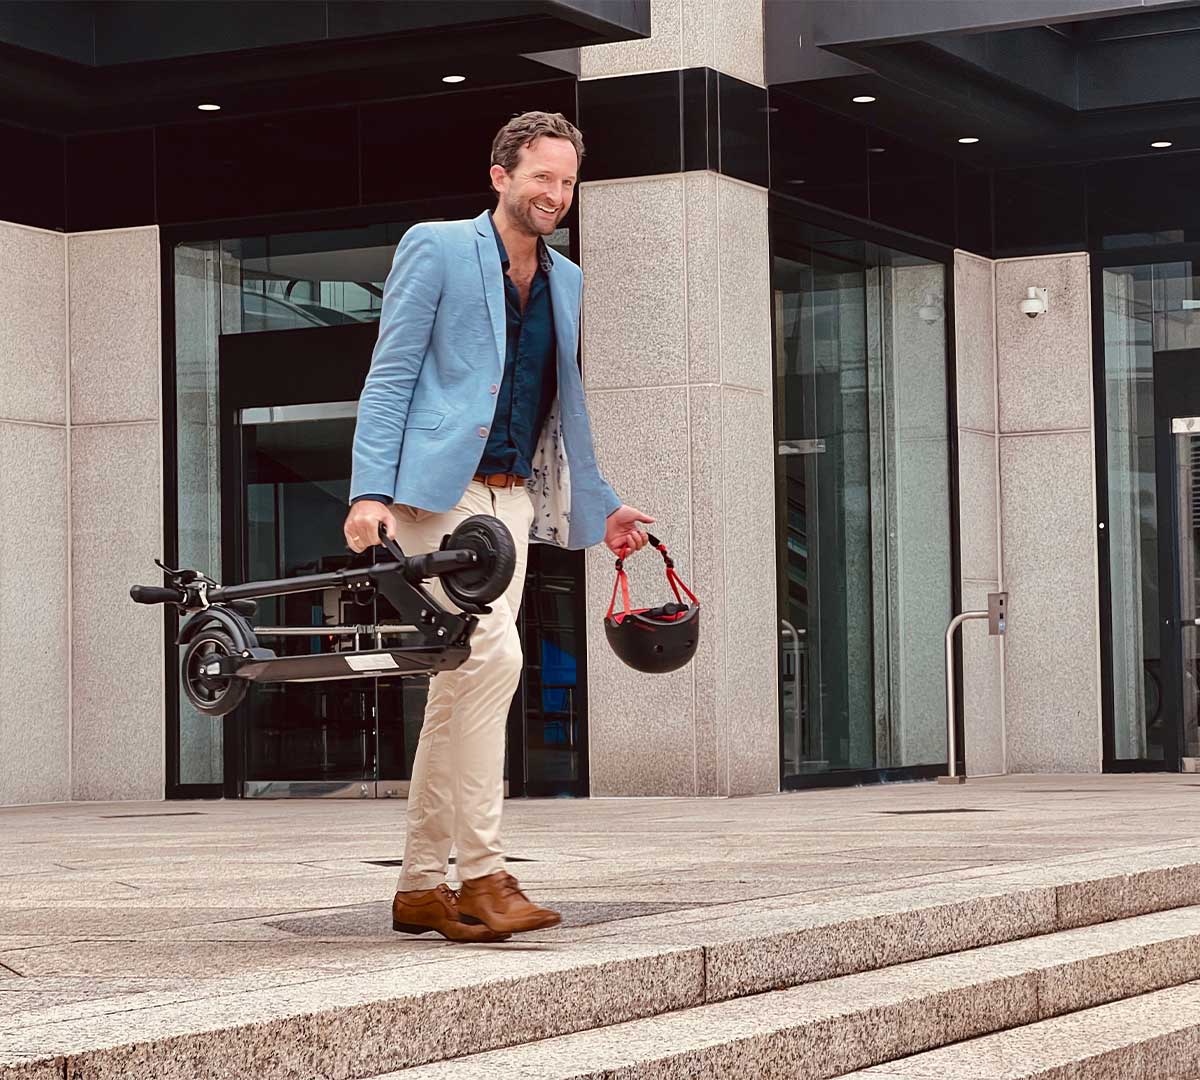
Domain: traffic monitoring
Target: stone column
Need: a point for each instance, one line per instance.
(116, 487)
(1048, 508)
(677, 364)
(35, 735)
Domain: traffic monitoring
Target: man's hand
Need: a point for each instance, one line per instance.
(622, 536)
(362, 524)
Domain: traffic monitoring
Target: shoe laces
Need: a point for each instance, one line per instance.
(508, 886)
(449, 895)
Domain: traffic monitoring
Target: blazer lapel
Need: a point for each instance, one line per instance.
(493, 283)
(565, 325)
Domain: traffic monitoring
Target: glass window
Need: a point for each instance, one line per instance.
(863, 507)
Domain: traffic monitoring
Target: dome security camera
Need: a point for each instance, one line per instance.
(1035, 302)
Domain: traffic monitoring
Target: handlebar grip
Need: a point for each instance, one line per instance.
(155, 594)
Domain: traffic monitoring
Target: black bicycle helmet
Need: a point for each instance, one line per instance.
(654, 640)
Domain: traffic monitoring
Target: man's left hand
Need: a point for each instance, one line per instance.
(622, 535)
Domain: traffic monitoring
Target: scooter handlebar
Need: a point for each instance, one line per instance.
(156, 594)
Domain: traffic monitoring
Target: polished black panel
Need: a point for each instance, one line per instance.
(911, 188)
(1143, 201)
(110, 180)
(1039, 210)
(699, 88)
(631, 125)
(817, 155)
(260, 165)
(31, 180)
(441, 145)
(743, 117)
(973, 208)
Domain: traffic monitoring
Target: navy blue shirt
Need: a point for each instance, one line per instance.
(530, 381)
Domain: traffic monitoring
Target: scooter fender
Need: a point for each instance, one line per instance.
(234, 624)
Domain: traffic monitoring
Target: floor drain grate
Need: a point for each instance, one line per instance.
(400, 862)
(374, 920)
(166, 813)
(951, 810)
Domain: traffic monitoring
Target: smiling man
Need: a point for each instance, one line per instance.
(474, 405)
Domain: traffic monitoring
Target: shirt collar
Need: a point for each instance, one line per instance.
(543, 252)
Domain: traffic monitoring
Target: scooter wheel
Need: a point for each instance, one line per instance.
(490, 575)
(211, 695)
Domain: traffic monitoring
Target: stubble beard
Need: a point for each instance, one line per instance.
(522, 215)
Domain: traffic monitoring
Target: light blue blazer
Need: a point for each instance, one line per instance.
(430, 396)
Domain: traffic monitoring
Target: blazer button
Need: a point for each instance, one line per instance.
(483, 433)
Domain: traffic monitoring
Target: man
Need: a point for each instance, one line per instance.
(474, 405)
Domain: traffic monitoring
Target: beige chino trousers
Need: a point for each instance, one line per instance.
(456, 796)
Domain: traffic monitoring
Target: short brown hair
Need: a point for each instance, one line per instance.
(523, 130)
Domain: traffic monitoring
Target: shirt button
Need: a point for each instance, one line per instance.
(493, 388)
(483, 433)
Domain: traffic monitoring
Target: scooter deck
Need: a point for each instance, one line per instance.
(371, 664)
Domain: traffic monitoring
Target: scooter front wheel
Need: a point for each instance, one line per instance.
(213, 695)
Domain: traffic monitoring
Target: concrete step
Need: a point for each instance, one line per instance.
(470, 1000)
(1149, 1037)
(830, 1028)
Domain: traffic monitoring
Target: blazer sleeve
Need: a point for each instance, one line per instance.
(410, 302)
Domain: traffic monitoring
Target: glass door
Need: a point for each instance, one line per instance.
(1182, 632)
(865, 574)
(318, 738)
(1152, 452)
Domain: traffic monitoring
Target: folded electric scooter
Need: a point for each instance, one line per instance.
(222, 656)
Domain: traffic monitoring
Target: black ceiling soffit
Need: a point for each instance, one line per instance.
(78, 66)
(1068, 90)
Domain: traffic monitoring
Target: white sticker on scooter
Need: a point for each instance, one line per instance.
(372, 662)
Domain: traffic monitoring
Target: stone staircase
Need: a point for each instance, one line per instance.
(1084, 967)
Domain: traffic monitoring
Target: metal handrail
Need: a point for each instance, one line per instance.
(951, 725)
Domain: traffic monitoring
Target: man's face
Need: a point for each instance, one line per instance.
(538, 193)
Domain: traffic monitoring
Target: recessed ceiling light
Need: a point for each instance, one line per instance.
(1162, 144)
(863, 99)
(209, 107)
(876, 149)
(967, 139)
(454, 78)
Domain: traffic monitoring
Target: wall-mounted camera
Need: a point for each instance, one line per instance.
(1036, 302)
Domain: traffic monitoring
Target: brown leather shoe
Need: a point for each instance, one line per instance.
(418, 911)
(498, 903)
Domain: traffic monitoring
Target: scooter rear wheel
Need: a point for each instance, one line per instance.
(213, 695)
(491, 574)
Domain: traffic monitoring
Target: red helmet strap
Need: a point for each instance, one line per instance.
(673, 579)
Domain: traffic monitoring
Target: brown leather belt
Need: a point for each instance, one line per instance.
(500, 480)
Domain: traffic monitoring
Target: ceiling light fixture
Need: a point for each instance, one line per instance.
(876, 149)
(454, 78)
(208, 106)
(1162, 144)
(966, 140)
(863, 99)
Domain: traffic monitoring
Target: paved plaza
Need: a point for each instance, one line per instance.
(138, 922)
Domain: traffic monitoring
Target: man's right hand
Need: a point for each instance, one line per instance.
(362, 524)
